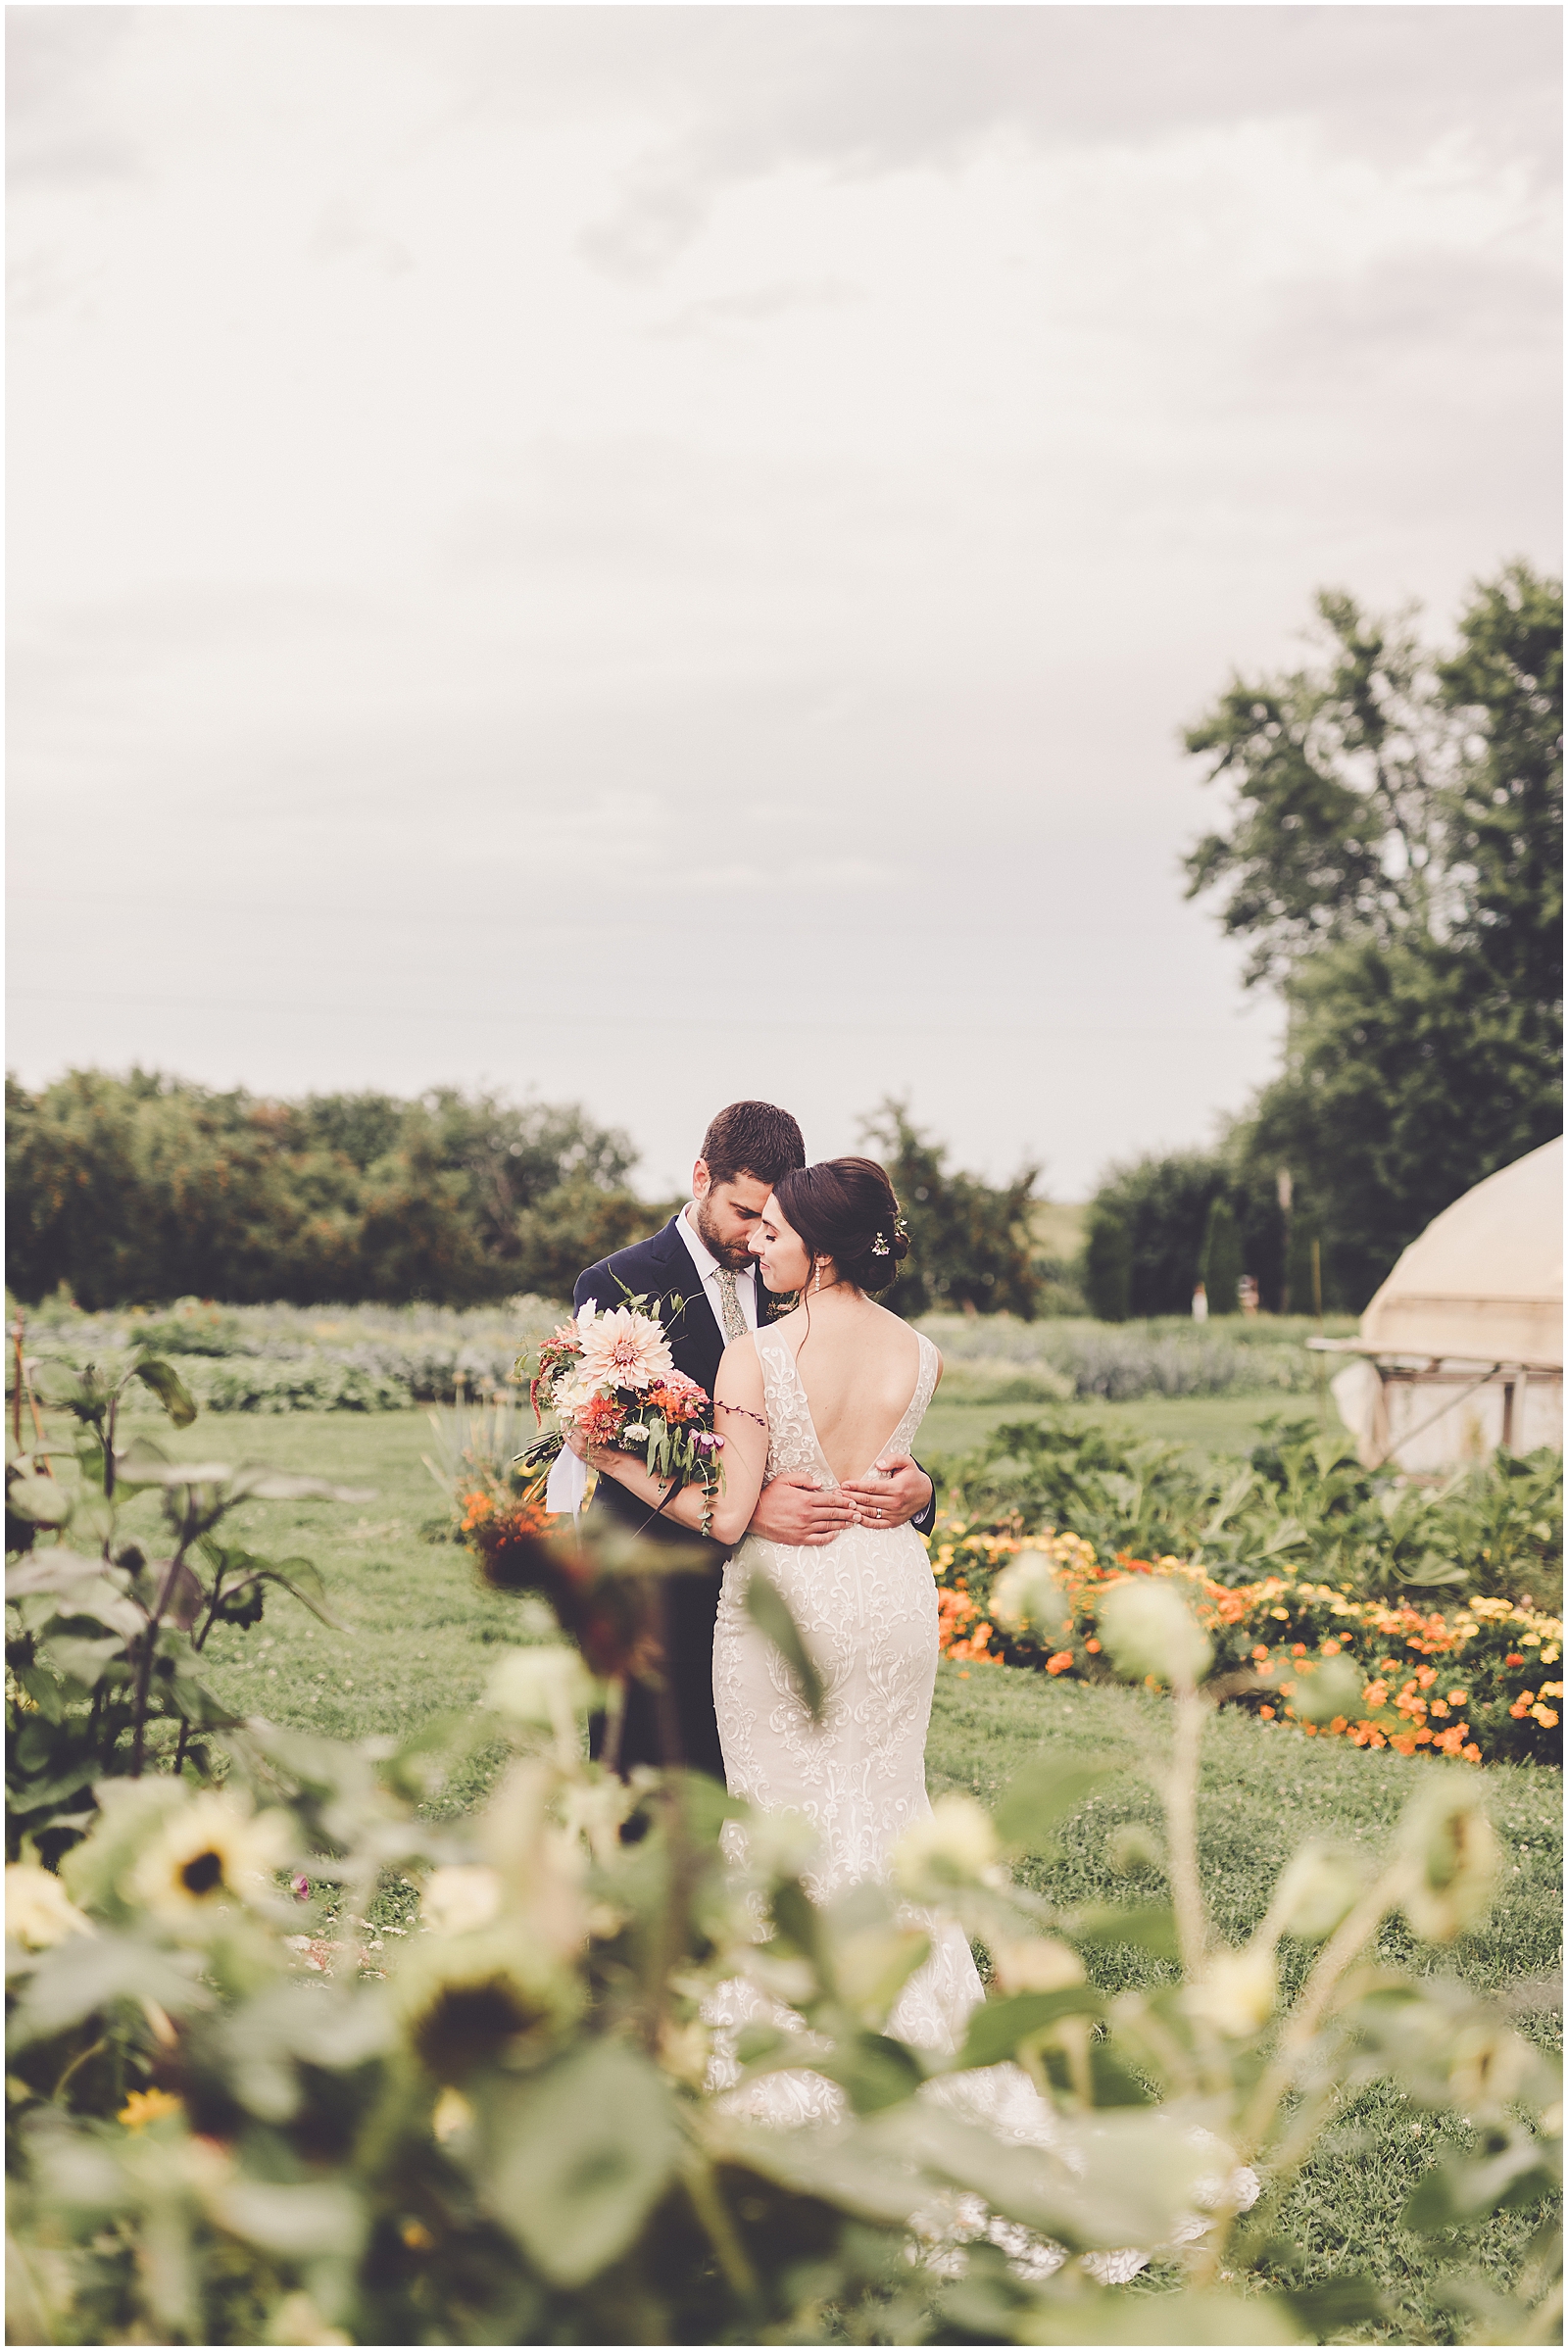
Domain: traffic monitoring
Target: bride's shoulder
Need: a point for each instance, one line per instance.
(924, 1347)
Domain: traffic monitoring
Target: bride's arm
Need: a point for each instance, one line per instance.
(743, 1425)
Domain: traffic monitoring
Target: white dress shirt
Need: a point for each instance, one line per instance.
(709, 1267)
(568, 1481)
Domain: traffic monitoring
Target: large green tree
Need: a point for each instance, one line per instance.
(1392, 855)
(969, 1241)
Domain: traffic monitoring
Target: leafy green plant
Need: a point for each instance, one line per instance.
(277, 1359)
(103, 1646)
(1072, 1356)
(1301, 1500)
(236, 2120)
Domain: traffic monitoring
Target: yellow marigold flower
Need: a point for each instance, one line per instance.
(145, 2106)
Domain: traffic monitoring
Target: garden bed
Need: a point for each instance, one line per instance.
(1481, 1679)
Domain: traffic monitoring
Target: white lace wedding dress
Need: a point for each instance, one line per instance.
(866, 1606)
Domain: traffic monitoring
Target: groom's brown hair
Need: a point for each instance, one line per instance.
(752, 1138)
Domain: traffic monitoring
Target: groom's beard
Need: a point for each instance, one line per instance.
(735, 1255)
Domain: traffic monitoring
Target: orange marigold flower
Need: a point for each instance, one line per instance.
(1513, 1658)
(1093, 1647)
(1267, 1712)
(1061, 1663)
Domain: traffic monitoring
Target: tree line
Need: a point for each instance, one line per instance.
(1392, 855)
(144, 1188)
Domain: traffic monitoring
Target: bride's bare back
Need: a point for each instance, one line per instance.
(859, 1366)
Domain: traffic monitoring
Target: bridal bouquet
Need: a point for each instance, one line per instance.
(609, 1374)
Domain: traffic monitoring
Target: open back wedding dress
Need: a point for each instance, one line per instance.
(866, 1606)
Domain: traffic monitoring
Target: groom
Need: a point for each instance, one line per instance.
(702, 1280)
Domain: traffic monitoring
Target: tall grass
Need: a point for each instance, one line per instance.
(997, 1359)
(281, 1358)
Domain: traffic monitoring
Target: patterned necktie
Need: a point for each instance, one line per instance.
(729, 1306)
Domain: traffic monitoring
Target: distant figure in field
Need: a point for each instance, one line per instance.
(1199, 1303)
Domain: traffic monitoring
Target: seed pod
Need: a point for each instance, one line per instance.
(1457, 1857)
(1148, 1629)
(1027, 1598)
(1334, 1688)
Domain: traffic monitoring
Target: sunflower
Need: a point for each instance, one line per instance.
(468, 1999)
(209, 1852)
(39, 1910)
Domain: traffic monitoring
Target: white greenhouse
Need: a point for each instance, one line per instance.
(1460, 1352)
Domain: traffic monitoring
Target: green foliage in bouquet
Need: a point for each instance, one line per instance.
(238, 2116)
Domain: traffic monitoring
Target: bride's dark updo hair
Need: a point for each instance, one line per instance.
(845, 1209)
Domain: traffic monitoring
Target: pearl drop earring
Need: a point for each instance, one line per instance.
(817, 1284)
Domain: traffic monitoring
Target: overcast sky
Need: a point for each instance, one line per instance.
(653, 555)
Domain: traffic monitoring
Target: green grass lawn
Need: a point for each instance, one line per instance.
(419, 1632)
(419, 1624)
(1202, 1425)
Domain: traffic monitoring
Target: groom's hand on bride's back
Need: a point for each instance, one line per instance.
(893, 1500)
(794, 1511)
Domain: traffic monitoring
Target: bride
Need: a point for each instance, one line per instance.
(824, 1391)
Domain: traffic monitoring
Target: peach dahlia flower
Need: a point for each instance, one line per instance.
(622, 1349)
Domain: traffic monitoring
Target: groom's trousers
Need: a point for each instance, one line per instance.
(691, 1609)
